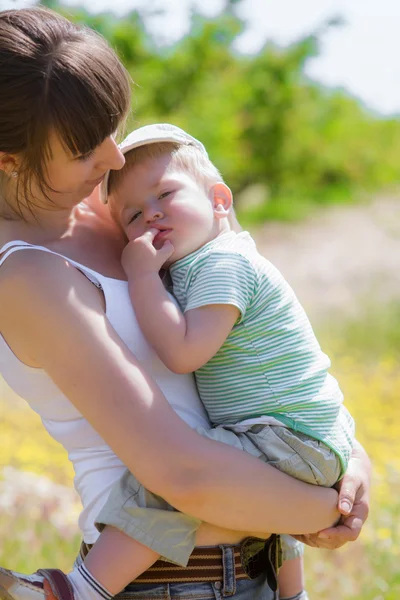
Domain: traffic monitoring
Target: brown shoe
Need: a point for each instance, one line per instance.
(45, 584)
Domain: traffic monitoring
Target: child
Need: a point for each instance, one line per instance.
(261, 374)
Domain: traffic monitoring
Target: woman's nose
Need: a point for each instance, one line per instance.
(112, 156)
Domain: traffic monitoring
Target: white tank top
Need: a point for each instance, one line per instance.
(96, 466)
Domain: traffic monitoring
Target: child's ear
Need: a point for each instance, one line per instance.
(221, 197)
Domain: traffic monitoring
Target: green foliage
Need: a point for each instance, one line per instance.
(262, 121)
(371, 335)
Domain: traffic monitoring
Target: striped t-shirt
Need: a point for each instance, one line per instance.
(271, 363)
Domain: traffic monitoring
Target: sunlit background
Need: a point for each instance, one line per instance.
(297, 104)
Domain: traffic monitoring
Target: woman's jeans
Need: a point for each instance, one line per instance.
(244, 589)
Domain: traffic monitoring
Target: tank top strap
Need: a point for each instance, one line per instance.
(17, 245)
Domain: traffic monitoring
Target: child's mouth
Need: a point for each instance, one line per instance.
(160, 237)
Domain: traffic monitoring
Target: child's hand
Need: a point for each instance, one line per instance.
(140, 257)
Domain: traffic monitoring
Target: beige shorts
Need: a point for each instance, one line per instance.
(156, 524)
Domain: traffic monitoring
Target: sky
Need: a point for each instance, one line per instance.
(362, 55)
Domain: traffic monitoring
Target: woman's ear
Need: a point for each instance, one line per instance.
(221, 197)
(8, 164)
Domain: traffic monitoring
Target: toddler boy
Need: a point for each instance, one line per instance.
(261, 374)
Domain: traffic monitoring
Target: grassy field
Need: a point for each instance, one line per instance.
(38, 523)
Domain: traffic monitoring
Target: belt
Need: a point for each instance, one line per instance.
(251, 557)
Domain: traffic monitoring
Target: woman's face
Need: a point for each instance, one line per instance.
(73, 178)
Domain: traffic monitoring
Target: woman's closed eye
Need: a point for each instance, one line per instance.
(84, 157)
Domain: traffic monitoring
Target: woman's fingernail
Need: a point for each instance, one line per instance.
(345, 506)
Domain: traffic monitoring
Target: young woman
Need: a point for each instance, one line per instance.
(70, 344)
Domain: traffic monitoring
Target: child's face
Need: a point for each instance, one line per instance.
(153, 197)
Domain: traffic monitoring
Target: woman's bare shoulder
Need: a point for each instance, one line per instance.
(37, 287)
(42, 274)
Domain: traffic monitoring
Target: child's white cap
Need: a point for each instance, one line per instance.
(151, 134)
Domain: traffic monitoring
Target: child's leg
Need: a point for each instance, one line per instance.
(291, 578)
(117, 559)
(291, 574)
(150, 520)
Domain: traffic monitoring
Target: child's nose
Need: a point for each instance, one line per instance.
(153, 215)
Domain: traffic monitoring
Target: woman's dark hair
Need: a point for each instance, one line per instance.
(55, 76)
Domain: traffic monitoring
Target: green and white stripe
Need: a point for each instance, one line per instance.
(271, 363)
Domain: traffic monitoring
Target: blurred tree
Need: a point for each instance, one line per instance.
(274, 82)
(262, 121)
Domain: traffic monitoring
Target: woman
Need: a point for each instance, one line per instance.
(70, 344)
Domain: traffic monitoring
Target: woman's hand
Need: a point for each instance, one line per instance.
(353, 504)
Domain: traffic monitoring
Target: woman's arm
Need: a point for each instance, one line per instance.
(53, 317)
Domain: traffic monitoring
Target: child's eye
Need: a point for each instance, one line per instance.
(134, 217)
(164, 195)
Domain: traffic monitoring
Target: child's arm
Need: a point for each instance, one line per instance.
(184, 342)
